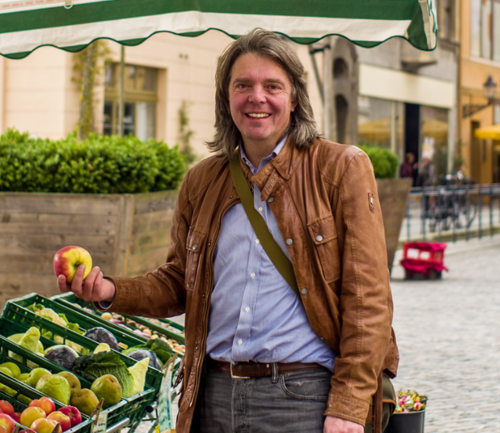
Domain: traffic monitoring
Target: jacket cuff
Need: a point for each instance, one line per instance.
(351, 409)
(120, 301)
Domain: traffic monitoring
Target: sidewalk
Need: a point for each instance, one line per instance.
(448, 332)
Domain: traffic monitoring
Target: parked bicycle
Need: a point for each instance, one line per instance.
(451, 206)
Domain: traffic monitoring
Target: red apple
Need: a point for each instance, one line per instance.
(62, 419)
(67, 260)
(3, 429)
(46, 403)
(7, 422)
(6, 407)
(74, 414)
(30, 414)
(43, 425)
(16, 416)
(27, 430)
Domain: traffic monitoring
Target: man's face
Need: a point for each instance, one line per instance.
(260, 100)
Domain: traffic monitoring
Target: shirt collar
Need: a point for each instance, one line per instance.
(265, 160)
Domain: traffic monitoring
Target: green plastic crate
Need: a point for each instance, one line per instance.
(16, 311)
(133, 407)
(69, 299)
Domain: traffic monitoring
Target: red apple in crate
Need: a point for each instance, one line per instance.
(62, 419)
(6, 407)
(7, 422)
(43, 425)
(46, 403)
(67, 260)
(30, 414)
(74, 414)
(16, 416)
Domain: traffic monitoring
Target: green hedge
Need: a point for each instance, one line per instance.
(98, 165)
(385, 162)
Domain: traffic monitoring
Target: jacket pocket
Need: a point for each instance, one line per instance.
(324, 237)
(195, 243)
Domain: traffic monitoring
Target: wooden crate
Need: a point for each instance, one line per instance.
(126, 234)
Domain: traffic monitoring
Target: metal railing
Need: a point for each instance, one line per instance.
(452, 212)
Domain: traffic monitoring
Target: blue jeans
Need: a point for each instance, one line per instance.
(288, 403)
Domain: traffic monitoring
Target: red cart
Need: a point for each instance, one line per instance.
(423, 260)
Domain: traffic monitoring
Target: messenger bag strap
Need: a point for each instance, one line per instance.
(271, 247)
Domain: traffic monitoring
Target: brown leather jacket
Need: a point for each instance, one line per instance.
(325, 200)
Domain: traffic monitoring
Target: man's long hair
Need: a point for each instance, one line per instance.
(302, 129)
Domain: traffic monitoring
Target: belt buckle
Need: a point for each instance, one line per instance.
(233, 376)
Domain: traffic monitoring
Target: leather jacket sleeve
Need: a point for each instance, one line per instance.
(365, 298)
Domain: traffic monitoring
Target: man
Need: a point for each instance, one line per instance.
(259, 358)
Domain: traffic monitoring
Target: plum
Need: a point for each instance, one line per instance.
(143, 353)
(62, 355)
(102, 335)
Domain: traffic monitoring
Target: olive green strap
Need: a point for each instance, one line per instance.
(273, 250)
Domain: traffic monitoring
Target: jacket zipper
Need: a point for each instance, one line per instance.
(207, 307)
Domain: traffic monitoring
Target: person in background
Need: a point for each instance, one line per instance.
(409, 168)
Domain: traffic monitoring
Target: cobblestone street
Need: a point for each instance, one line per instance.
(448, 333)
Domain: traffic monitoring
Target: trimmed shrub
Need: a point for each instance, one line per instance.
(99, 165)
(385, 162)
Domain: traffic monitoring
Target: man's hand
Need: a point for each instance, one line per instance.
(94, 289)
(339, 425)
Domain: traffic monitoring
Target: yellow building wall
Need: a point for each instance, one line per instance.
(474, 71)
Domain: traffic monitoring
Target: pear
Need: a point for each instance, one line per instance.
(108, 388)
(55, 386)
(35, 375)
(73, 381)
(23, 377)
(15, 370)
(85, 401)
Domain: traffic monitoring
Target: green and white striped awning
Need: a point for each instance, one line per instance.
(71, 25)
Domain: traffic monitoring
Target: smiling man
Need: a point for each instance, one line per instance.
(266, 352)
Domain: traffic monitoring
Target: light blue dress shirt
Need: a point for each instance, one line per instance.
(254, 314)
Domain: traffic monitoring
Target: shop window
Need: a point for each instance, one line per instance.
(446, 19)
(375, 120)
(140, 101)
(485, 29)
(435, 137)
(496, 113)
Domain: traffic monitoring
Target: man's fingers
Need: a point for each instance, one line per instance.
(62, 285)
(77, 283)
(89, 285)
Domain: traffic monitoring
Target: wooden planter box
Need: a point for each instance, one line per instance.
(393, 195)
(126, 234)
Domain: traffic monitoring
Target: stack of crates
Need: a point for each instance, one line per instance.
(17, 318)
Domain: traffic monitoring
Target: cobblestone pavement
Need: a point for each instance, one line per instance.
(448, 332)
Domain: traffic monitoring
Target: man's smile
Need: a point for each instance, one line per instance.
(258, 115)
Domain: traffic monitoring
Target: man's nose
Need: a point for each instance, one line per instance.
(257, 95)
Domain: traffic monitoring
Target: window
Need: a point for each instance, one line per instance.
(446, 18)
(496, 113)
(140, 100)
(435, 136)
(485, 29)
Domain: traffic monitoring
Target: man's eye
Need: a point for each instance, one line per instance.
(241, 86)
(273, 87)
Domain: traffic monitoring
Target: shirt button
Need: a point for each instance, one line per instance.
(261, 209)
(195, 246)
(252, 274)
(303, 291)
(247, 309)
(319, 238)
(240, 341)
(289, 241)
(270, 199)
(257, 241)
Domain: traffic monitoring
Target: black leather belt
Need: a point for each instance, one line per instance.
(247, 370)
